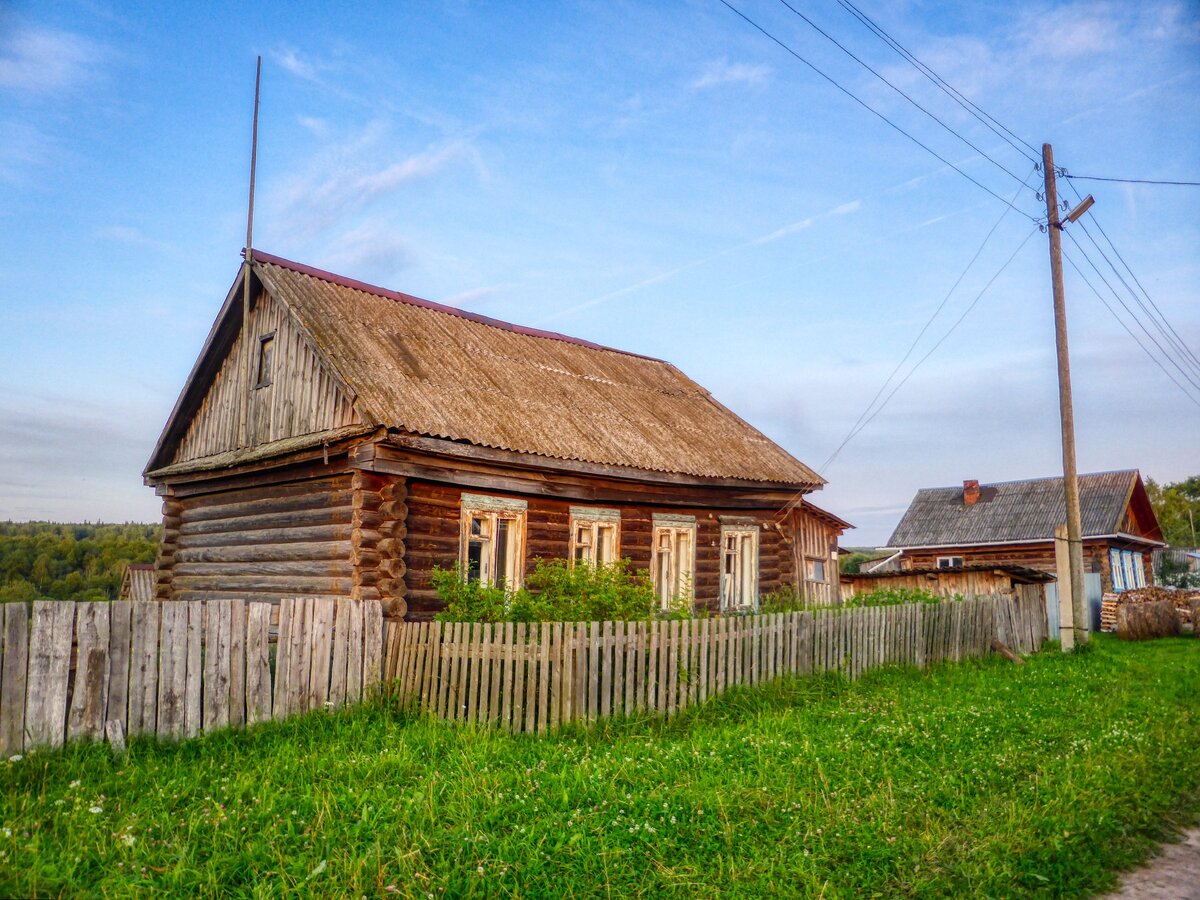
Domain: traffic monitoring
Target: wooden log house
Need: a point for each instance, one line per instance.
(345, 439)
(1013, 522)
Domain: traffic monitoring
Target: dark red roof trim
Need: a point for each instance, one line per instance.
(260, 256)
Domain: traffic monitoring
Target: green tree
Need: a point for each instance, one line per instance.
(1177, 506)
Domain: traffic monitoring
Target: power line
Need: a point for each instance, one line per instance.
(1179, 341)
(1164, 327)
(898, 90)
(1131, 313)
(931, 350)
(1131, 180)
(1129, 331)
(957, 96)
(913, 346)
(870, 108)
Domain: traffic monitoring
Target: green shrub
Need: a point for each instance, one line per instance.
(468, 601)
(896, 596)
(554, 591)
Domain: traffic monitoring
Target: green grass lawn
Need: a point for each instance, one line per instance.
(979, 779)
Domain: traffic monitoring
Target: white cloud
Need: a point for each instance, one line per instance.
(351, 176)
(42, 61)
(372, 251)
(125, 234)
(721, 72)
(289, 59)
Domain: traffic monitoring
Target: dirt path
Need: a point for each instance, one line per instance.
(1174, 875)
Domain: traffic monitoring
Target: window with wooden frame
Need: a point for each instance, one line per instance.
(492, 546)
(266, 359)
(816, 570)
(949, 562)
(1128, 569)
(739, 565)
(674, 558)
(595, 535)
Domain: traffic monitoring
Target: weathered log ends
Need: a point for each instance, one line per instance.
(164, 562)
(377, 540)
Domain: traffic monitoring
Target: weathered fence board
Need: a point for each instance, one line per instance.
(13, 676)
(49, 671)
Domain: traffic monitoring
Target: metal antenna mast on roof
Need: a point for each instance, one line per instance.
(247, 270)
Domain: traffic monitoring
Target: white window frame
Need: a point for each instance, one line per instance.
(594, 529)
(673, 573)
(1127, 568)
(1116, 568)
(739, 566)
(494, 515)
(948, 562)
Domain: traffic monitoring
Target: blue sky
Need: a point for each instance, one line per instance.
(659, 177)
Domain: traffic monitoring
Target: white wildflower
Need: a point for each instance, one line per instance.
(16, 757)
(95, 809)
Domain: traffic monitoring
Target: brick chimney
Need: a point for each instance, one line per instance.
(970, 493)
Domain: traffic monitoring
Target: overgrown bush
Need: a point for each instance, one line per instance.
(896, 596)
(556, 592)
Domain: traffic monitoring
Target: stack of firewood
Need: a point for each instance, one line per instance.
(1181, 600)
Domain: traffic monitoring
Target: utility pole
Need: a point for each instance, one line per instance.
(1066, 410)
(247, 272)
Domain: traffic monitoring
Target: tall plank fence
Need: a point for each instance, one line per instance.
(540, 676)
(175, 670)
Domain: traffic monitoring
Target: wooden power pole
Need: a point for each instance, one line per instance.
(247, 273)
(1066, 410)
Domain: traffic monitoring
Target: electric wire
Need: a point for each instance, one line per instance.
(1128, 330)
(854, 432)
(899, 91)
(1165, 327)
(788, 49)
(932, 349)
(1131, 313)
(929, 322)
(957, 96)
(1131, 180)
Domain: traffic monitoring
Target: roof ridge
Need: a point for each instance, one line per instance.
(958, 487)
(377, 290)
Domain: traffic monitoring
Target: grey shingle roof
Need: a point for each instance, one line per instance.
(1012, 511)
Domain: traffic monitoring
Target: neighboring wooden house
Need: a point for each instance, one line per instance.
(963, 581)
(138, 582)
(1012, 523)
(347, 439)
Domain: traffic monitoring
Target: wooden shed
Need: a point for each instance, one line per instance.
(962, 581)
(346, 439)
(1013, 522)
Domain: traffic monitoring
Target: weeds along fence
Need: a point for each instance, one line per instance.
(177, 669)
(537, 677)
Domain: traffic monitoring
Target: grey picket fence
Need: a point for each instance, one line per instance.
(175, 670)
(540, 676)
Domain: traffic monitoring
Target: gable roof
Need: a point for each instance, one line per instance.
(1014, 511)
(428, 369)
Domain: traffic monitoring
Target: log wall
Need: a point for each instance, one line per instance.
(265, 542)
(301, 398)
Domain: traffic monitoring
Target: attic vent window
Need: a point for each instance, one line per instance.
(949, 562)
(266, 356)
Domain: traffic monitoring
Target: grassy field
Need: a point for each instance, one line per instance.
(980, 779)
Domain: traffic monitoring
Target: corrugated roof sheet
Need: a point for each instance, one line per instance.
(1012, 511)
(437, 371)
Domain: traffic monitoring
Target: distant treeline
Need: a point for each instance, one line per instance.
(47, 560)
